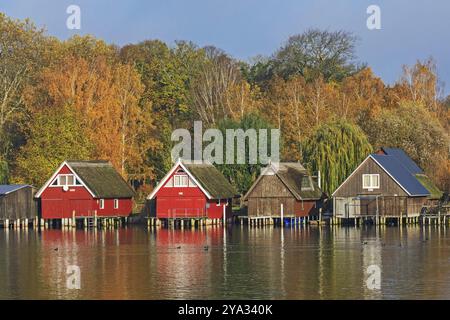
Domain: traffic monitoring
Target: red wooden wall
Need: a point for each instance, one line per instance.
(57, 203)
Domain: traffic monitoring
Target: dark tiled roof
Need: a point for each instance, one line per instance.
(298, 181)
(401, 174)
(211, 179)
(404, 159)
(4, 189)
(102, 179)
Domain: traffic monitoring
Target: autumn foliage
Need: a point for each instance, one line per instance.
(82, 98)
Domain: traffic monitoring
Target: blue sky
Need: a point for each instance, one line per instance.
(411, 29)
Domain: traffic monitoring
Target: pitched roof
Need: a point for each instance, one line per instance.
(102, 179)
(210, 180)
(295, 177)
(403, 158)
(400, 174)
(5, 189)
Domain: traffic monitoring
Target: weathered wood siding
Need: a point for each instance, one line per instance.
(267, 196)
(388, 206)
(353, 186)
(19, 204)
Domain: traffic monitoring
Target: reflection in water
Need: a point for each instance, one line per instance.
(226, 263)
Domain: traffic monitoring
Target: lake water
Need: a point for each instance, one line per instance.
(236, 263)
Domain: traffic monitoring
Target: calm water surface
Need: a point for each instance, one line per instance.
(236, 263)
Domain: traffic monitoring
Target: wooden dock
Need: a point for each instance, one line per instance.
(78, 222)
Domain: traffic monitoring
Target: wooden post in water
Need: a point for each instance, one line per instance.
(74, 223)
(224, 215)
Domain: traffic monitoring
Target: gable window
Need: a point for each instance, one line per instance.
(102, 204)
(169, 183)
(66, 180)
(116, 203)
(180, 181)
(371, 181)
(192, 183)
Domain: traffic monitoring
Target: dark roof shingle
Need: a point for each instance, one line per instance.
(211, 179)
(102, 179)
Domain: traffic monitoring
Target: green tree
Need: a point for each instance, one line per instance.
(415, 130)
(54, 136)
(316, 52)
(23, 51)
(242, 176)
(335, 149)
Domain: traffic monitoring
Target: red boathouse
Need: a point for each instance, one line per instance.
(192, 190)
(85, 189)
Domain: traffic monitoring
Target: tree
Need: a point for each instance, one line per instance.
(317, 53)
(412, 128)
(216, 78)
(107, 98)
(22, 53)
(335, 149)
(4, 172)
(50, 143)
(243, 175)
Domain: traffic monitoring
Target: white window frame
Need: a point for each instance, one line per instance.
(371, 185)
(102, 204)
(59, 184)
(116, 203)
(180, 178)
(192, 183)
(169, 183)
(218, 203)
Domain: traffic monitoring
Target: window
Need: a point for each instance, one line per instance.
(218, 203)
(116, 203)
(371, 181)
(192, 183)
(62, 180)
(102, 204)
(180, 181)
(66, 180)
(169, 183)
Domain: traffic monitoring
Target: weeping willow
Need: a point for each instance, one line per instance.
(335, 149)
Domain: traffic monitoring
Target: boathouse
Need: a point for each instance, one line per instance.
(192, 190)
(85, 189)
(387, 184)
(286, 187)
(17, 205)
